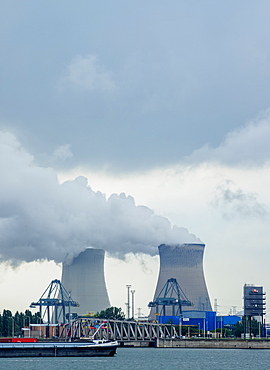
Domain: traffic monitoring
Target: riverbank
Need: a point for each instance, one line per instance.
(200, 343)
(214, 343)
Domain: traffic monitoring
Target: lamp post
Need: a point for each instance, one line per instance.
(221, 327)
(128, 303)
(39, 318)
(215, 325)
(132, 303)
(69, 299)
(29, 318)
(180, 326)
(13, 326)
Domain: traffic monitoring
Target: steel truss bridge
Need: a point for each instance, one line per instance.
(120, 330)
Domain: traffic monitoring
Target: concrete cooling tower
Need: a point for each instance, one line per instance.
(84, 278)
(184, 263)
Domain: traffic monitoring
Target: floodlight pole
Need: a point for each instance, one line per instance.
(128, 301)
(132, 303)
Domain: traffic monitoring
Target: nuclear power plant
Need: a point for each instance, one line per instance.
(84, 279)
(184, 263)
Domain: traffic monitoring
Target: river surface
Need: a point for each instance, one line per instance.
(151, 358)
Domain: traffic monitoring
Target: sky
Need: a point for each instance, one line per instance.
(124, 125)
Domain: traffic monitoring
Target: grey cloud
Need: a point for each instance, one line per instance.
(234, 202)
(60, 155)
(86, 73)
(187, 77)
(245, 146)
(42, 219)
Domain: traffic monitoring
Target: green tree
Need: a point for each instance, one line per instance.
(239, 329)
(1, 325)
(36, 318)
(18, 323)
(12, 325)
(111, 313)
(7, 323)
(251, 324)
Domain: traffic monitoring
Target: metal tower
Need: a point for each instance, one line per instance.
(55, 301)
(171, 295)
(254, 305)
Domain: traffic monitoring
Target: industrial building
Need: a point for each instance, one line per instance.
(84, 279)
(204, 321)
(184, 262)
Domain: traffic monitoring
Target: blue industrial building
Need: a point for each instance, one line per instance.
(204, 320)
(225, 321)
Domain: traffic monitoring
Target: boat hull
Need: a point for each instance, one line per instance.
(56, 350)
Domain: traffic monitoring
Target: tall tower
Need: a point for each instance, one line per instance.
(184, 262)
(84, 278)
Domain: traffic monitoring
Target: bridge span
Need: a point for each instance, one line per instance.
(120, 330)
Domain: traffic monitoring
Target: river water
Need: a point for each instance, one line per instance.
(151, 358)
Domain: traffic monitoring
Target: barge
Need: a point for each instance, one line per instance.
(58, 349)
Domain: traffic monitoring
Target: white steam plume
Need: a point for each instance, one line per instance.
(42, 219)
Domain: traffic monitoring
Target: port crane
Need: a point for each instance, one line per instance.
(171, 295)
(55, 301)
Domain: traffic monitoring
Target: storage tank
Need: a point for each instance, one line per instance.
(84, 278)
(184, 262)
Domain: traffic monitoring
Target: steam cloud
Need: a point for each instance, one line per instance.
(43, 219)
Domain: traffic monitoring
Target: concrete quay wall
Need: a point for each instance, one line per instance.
(213, 343)
(137, 343)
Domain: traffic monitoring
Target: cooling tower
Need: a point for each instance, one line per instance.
(84, 278)
(184, 263)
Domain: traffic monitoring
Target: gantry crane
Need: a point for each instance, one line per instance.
(171, 295)
(55, 301)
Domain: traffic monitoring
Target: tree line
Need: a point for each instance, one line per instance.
(11, 325)
(111, 313)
